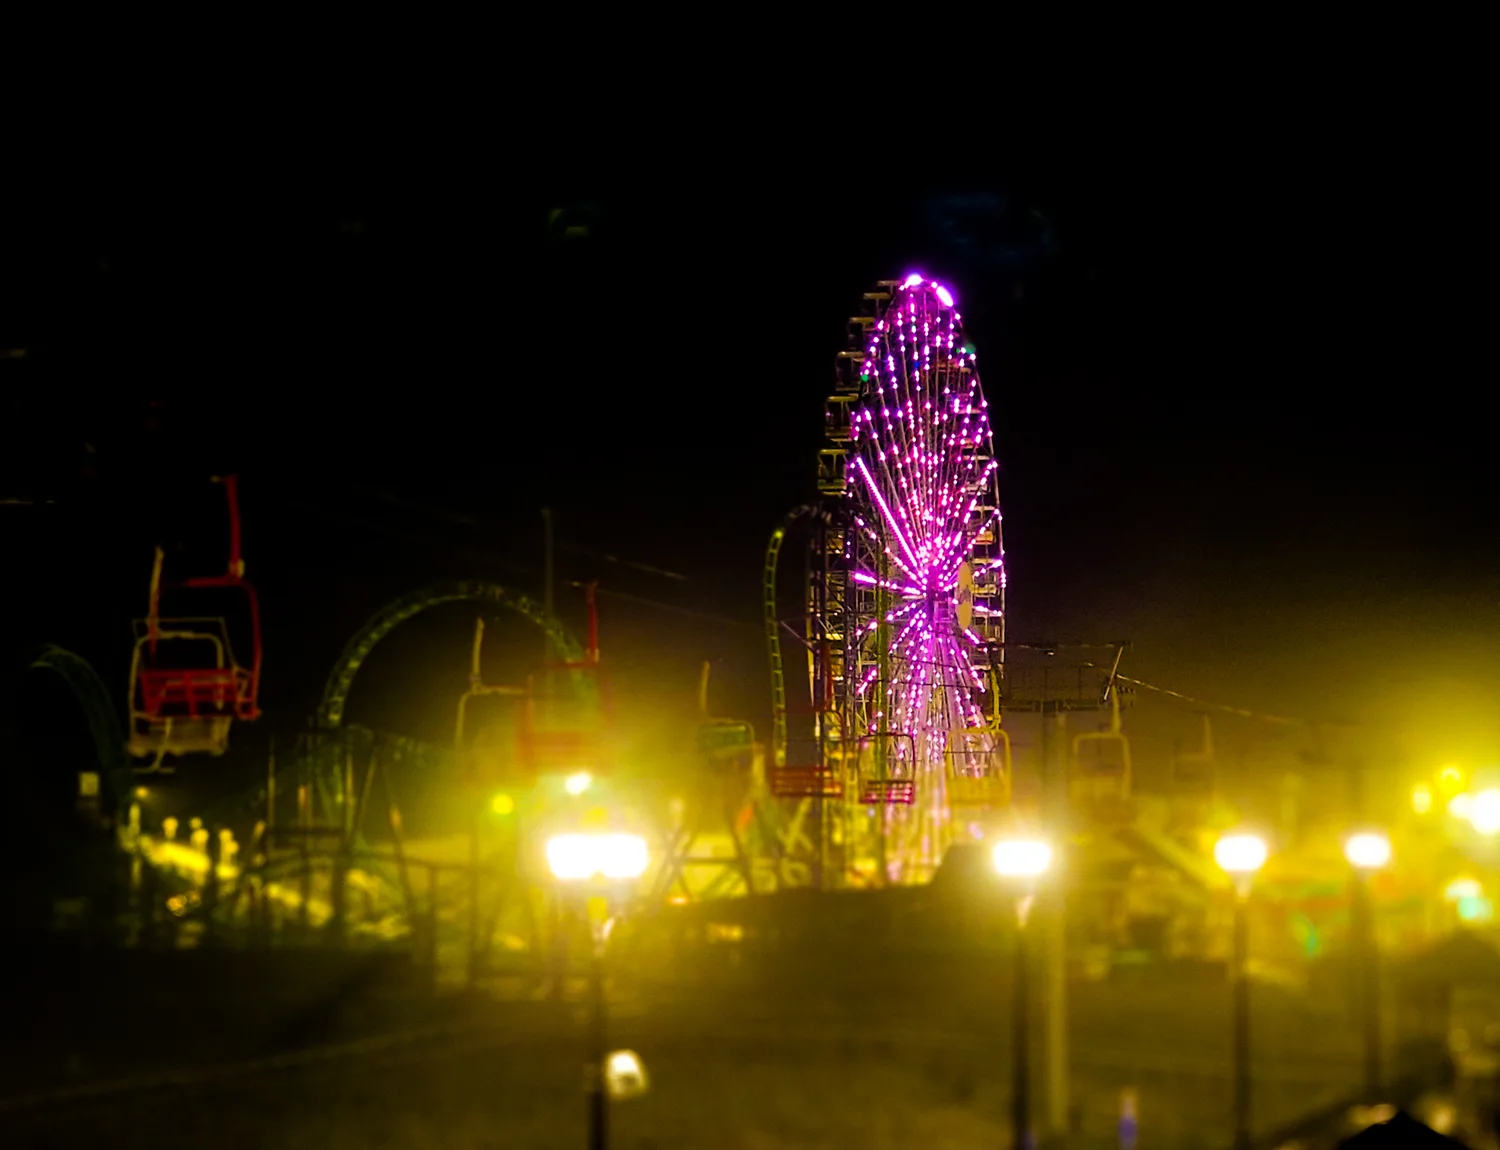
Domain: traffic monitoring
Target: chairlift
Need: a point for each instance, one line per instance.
(563, 731)
(489, 759)
(878, 786)
(973, 780)
(806, 782)
(728, 745)
(186, 686)
(1195, 772)
(1101, 762)
(970, 754)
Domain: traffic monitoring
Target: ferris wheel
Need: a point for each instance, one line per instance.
(906, 609)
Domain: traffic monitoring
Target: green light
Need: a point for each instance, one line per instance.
(1474, 909)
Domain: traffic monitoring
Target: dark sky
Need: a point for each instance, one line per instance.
(1242, 419)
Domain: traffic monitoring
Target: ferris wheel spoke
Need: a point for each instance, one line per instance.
(891, 522)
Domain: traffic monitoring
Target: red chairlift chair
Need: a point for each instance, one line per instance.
(822, 779)
(576, 745)
(186, 687)
(876, 785)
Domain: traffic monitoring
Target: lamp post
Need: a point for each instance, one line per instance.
(1021, 862)
(1241, 856)
(604, 864)
(1368, 852)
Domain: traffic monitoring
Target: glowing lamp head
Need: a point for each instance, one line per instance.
(502, 804)
(1368, 850)
(625, 1075)
(913, 280)
(1240, 854)
(1484, 814)
(1021, 858)
(1421, 799)
(578, 782)
(944, 294)
(582, 857)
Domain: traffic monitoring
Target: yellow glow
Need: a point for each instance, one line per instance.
(1240, 854)
(578, 857)
(1421, 798)
(1461, 888)
(1484, 816)
(502, 804)
(625, 1075)
(142, 792)
(625, 1062)
(678, 900)
(1021, 858)
(576, 784)
(1461, 806)
(1368, 850)
(1450, 780)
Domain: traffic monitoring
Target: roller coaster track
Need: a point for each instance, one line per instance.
(94, 702)
(388, 618)
(773, 628)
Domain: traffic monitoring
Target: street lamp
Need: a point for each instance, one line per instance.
(1368, 852)
(1021, 862)
(1241, 856)
(602, 864)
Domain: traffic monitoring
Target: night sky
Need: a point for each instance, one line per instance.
(1240, 419)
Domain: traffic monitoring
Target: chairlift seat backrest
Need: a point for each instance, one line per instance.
(805, 783)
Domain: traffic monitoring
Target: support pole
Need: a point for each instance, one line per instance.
(547, 575)
(304, 824)
(1020, 1098)
(1241, 1020)
(473, 964)
(598, 1103)
(348, 796)
(1369, 983)
(1054, 922)
(271, 793)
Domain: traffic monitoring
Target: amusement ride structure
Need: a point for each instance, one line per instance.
(897, 746)
(903, 623)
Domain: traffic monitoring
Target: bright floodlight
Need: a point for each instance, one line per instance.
(1240, 854)
(1368, 850)
(575, 858)
(1021, 858)
(576, 784)
(625, 1075)
(1484, 814)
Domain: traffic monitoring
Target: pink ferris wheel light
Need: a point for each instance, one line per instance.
(923, 479)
